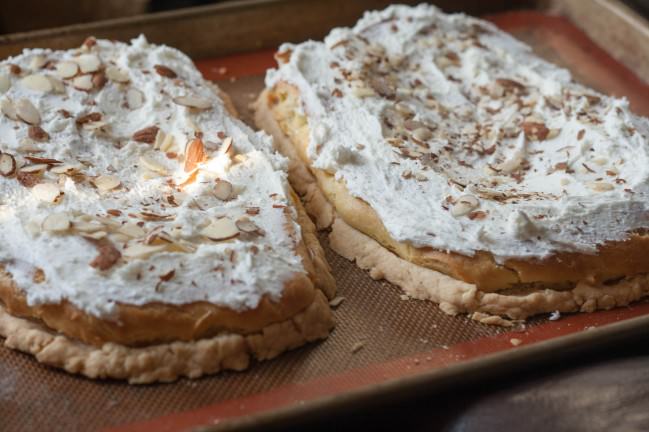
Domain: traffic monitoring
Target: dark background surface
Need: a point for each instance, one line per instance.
(599, 391)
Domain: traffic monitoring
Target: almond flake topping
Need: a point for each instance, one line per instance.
(27, 112)
(134, 98)
(67, 69)
(37, 83)
(8, 109)
(117, 75)
(246, 225)
(194, 154)
(88, 63)
(106, 183)
(146, 135)
(221, 229)
(83, 83)
(464, 205)
(223, 190)
(195, 102)
(5, 83)
(46, 192)
(7, 165)
(56, 222)
(141, 251)
(107, 257)
(153, 165)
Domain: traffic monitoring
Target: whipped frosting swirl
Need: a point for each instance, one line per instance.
(116, 178)
(463, 140)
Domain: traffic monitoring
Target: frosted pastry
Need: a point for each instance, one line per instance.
(145, 232)
(504, 188)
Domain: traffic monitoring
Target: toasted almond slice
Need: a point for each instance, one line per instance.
(87, 226)
(153, 165)
(132, 230)
(5, 83)
(7, 165)
(108, 255)
(141, 251)
(67, 169)
(97, 235)
(106, 183)
(134, 98)
(57, 84)
(27, 112)
(39, 167)
(226, 146)
(56, 222)
(221, 229)
(42, 160)
(8, 108)
(195, 102)
(464, 205)
(146, 135)
(96, 125)
(37, 62)
(422, 134)
(37, 133)
(36, 82)
(194, 154)
(165, 71)
(168, 144)
(88, 63)
(160, 136)
(83, 83)
(246, 225)
(67, 69)
(117, 75)
(223, 190)
(46, 192)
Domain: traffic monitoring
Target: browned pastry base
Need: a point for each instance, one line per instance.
(324, 198)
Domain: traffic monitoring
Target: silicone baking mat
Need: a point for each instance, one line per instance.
(380, 337)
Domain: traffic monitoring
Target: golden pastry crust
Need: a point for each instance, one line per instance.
(158, 323)
(277, 113)
(168, 361)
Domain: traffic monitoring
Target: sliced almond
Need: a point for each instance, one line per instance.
(107, 256)
(46, 192)
(56, 222)
(226, 146)
(67, 69)
(168, 144)
(37, 83)
(8, 108)
(194, 154)
(87, 118)
(57, 85)
(464, 205)
(141, 251)
(27, 112)
(165, 71)
(246, 225)
(153, 165)
(67, 169)
(106, 183)
(221, 229)
(97, 235)
(7, 165)
(132, 230)
(37, 62)
(37, 133)
(159, 139)
(35, 168)
(146, 135)
(83, 83)
(117, 75)
(134, 98)
(95, 125)
(195, 102)
(5, 83)
(223, 190)
(88, 63)
(85, 226)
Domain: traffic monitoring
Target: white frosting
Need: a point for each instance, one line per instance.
(223, 273)
(471, 87)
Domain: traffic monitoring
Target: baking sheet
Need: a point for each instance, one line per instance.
(381, 338)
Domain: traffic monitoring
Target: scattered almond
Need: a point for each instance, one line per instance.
(195, 102)
(107, 256)
(83, 83)
(28, 179)
(8, 109)
(99, 80)
(464, 205)
(35, 168)
(5, 83)
(599, 186)
(153, 165)
(37, 83)
(106, 183)
(141, 251)
(146, 135)
(27, 112)
(7, 165)
(221, 229)
(46, 192)
(194, 154)
(165, 71)
(37, 62)
(223, 190)
(67, 69)
(117, 75)
(56, 222)
(87, 118)
(246, 225)
(88, 63)
(37, 133)
(535, 131)
(132, 230)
